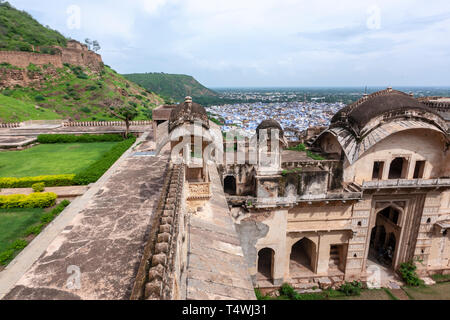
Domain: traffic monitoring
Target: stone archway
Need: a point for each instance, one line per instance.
(266, 261)
(384, 237)
(302, 258)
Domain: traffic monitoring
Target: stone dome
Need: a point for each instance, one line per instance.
(188, 111)
(358, 114)
(268, 125)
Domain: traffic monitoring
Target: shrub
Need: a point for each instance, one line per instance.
(84, 138)
(38, 187)
(19, 244)
(351, 288)
(408, 273)
(92, 173)
(6, 256)
(33, 68)
(35, 230)
(34, 200)
(39, 98)
(27, 182)
(287, 290)
(48, 217)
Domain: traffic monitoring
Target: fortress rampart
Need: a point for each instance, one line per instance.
(75, 54)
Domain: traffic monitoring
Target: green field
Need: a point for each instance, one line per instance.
(51, 159)
(14, 222)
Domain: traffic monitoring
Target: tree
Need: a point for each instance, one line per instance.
(88, 43)
(125, 112)
(95, 46)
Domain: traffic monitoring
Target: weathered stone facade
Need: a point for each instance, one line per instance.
(381, 196)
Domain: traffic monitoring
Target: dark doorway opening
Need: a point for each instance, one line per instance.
(265, 262)
(229, 185)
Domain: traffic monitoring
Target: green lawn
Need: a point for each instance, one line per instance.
(14, 222)
(440, 291)
(51, 159)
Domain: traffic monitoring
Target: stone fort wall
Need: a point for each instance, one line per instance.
(75, 54)
(23, 59)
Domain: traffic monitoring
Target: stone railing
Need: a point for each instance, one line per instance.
(199, 190)
(10, 125)
(106, 123)
(290, 201)
(161, 270)
(404, 183)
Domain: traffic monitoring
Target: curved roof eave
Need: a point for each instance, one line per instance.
(354, 150)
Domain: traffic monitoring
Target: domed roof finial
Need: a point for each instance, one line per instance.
(188, 102)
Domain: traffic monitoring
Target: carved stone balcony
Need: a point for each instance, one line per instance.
(199, 191)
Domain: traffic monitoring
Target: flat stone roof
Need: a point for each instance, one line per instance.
(105, 240)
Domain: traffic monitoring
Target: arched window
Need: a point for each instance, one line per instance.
(398, 168)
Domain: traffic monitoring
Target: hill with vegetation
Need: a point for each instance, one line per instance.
(64, 91)
(19, 31)
(74, 93)
(172, 86)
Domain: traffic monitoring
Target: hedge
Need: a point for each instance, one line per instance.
(34, 200)
(84, 138)
(27, 182)
(94, 172)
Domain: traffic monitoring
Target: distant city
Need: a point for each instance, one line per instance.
(295, 109)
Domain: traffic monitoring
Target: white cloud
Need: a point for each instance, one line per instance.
(289, 42)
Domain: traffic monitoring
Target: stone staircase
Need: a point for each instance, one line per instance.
(352, 187)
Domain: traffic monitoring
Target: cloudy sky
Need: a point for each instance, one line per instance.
(264, 42)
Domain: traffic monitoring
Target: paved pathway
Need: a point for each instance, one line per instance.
(62, 192)
(102, 233)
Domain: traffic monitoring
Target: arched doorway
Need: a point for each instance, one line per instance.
(383, 239)
(266, 258)
(229, 185)
(302, 259)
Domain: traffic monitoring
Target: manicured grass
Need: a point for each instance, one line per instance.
(440, 291)
(14, 222)
(52, 159)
